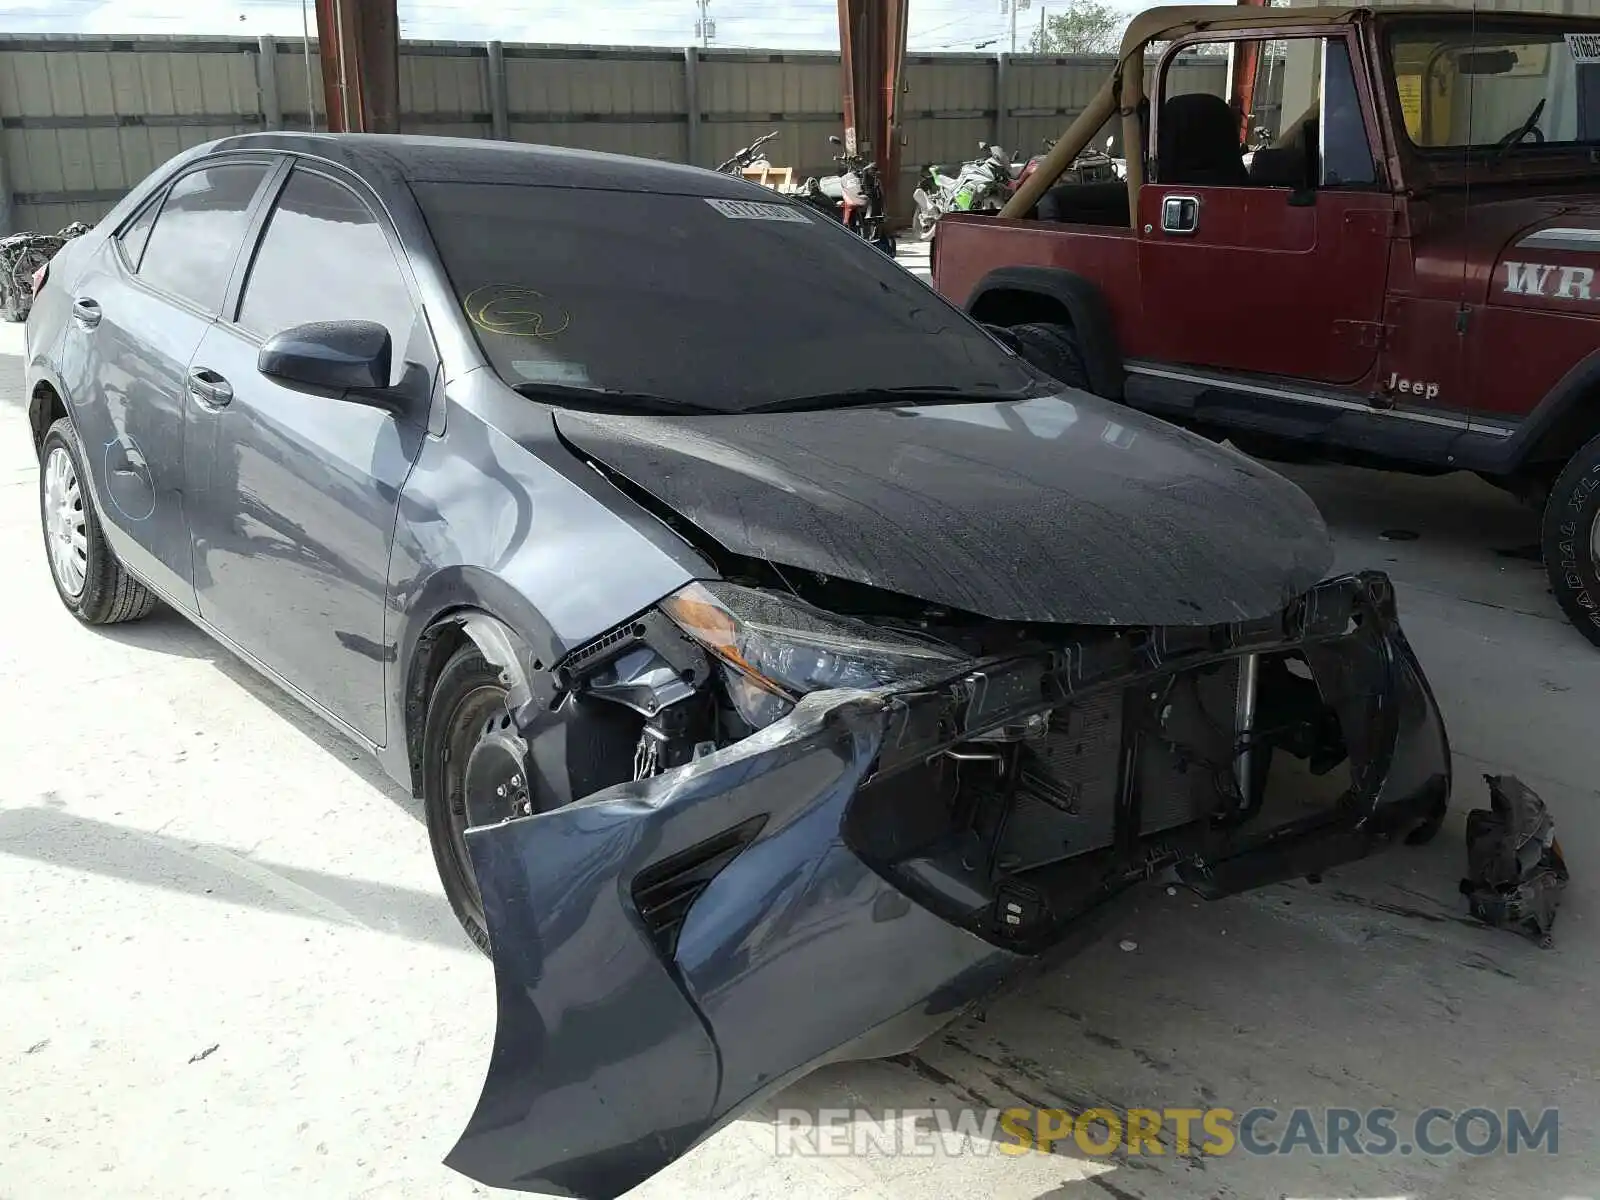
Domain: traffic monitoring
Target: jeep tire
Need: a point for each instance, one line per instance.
(1054, 349)
(1570, 540)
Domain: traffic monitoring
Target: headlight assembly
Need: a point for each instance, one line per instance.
(775, 649)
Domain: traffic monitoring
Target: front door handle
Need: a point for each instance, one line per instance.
(210, 389)
(86, 312)
(1180, 214)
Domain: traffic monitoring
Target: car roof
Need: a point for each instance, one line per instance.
(381, 158)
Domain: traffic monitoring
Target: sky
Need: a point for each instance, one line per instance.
(950, 25)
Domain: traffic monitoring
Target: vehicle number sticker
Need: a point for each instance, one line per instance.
(754, 210)
(1584, 47)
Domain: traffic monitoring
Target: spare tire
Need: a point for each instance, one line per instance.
(1053, 349)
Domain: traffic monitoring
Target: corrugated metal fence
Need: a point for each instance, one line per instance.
(84, 118)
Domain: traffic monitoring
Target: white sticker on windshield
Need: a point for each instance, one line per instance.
(754, 210)
(1584, 47)
(550, 371)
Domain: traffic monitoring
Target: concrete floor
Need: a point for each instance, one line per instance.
(226, 968)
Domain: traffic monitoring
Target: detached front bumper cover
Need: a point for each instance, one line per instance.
(632, 1027)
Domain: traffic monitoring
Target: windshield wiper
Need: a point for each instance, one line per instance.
(884, 396)
(1514, 139)
(588, 399)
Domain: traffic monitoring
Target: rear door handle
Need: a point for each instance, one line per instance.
(210, 389)
(86, 312)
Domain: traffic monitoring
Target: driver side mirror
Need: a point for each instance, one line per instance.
(338, 357)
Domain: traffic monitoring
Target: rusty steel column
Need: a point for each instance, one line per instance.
(1246, 65)
(872, 52)
(359, 41)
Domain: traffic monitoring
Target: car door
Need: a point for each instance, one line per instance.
(294, 494)
(1276, 266)
(139, 310)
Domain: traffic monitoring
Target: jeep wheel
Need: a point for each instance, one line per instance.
(1570, 540)
(1053, 349)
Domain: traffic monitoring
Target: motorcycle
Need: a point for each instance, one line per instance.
(22, 257)
(853, 197)
(750, 156)
(979, 185)
(1091, 166)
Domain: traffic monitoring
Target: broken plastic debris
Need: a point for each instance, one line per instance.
(206, 1053)
(1128, 944)
(1515, 871)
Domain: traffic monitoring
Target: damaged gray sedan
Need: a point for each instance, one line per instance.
(782, 665)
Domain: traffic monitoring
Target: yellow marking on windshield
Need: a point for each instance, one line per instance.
(515, 311)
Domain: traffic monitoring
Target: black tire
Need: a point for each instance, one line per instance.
(477, 764)
(1054, 349)
(107, 594)
(467, 695)
(1568, 540)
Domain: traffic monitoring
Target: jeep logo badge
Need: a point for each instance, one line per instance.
(1426, 388)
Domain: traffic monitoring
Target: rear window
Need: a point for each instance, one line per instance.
(710, 303)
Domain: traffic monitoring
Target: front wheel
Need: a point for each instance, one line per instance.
(1570, 540)
(472, 763)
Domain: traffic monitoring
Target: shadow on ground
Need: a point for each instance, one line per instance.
(166, 631)
(63, 839)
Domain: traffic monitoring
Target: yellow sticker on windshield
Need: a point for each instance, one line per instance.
(515, 311)
(1410, 89)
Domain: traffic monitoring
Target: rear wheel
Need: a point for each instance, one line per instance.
(94, 586)
(1054, 349)
(1570, 540)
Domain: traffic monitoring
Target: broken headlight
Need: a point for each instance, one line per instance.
(774, 649)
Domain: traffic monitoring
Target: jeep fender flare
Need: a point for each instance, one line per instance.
(1560, 424)
(1086, 307)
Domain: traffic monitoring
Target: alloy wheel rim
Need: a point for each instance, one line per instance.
(65, 528)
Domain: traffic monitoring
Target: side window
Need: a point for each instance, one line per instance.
(1346, 153)
(1294, 121)
(134, 237)
(190, 251)
(324, 257)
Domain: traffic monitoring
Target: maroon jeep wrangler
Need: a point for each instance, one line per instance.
(1361, 236)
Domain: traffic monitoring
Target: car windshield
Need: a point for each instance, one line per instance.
(717, 305)
(1465, 83)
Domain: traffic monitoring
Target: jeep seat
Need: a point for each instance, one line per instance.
(1199, 143)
